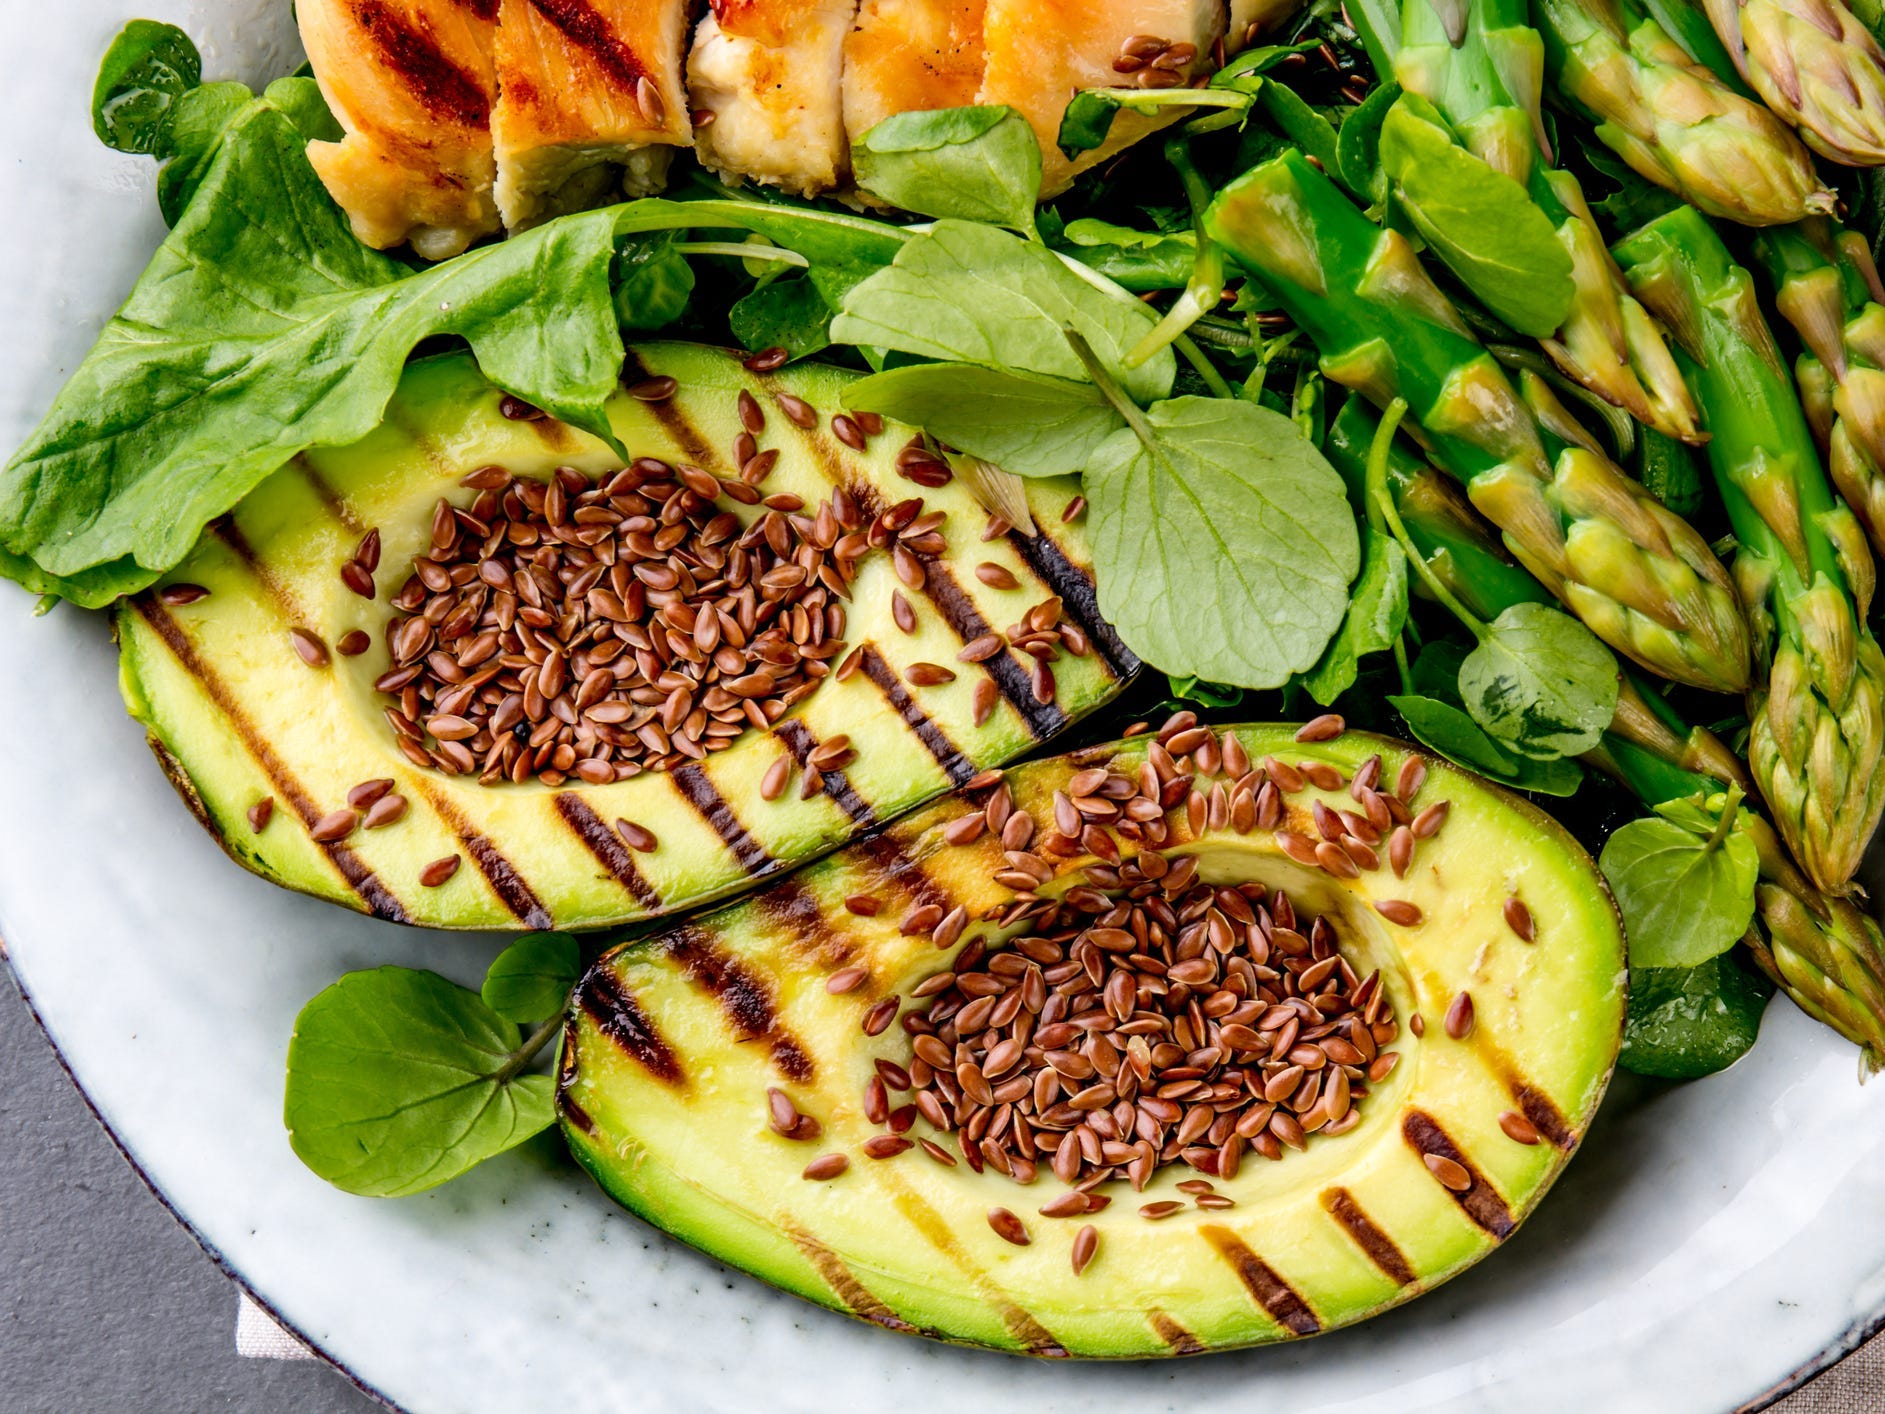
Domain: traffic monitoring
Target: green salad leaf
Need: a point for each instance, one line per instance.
(1684, 881)
(1377, 612)
(148, 67)
(1136, 260)
(1223, 541)
(532, 977)
(1480, 222)
(261, 328)
(980, 163)
(1447, 729)
(786, 314)
(1023, 422)
(1687, 1022)
(1540, 683)
(969, 293)
(1358, 145)
(653, 281)
(400, 1080)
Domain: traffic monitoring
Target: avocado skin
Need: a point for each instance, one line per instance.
(235, 716)
(1357, 1224)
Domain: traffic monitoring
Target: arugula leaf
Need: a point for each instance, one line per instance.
(148, 67)
(653, 281)
(1686, 894)
(977, 164)
(400, 1080)
(1540, 683)
(1223, 541)
(261, 328)
(969, 293)
(1480, 222)
(1447, 729)
(787, 314)
(1022, 422)
(1377, 611)
(1358, 145)
(1687, 1022)
(532, 977)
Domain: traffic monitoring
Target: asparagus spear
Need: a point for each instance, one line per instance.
(1814, 64)
(1817, 704)
(1639, 576)
(1821, 950)
(1486, 81)
(1827, 287)
(1674, 121)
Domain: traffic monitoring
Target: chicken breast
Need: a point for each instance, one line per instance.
(1038, 52)
(905, 55)
(771, 73)
(590, 102)
(413, 83)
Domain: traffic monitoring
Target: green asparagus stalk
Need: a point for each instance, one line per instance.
(1674, 121)
(1638, 575)
(1821, 950)
(1814, 64)
(1486, 84)
(1816, 707)
(1827, 287)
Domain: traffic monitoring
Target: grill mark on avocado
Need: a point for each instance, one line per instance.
(844, 1283)
(1480, 1202)
(380, 901)
(1379, 1248)
(705, 797)
(565, 1078)
(512, 889)
(1078, 596)
(801, 743)
(618, 1016)
(335, 504)
(955, 765)
(1043, 719)
(606, 846)
(1533, 1103)
(1019, 1322)
(1182, 1341)
(675, 422)
(887, 856)
(743, 996)
(226, 530)
(799, 913)
(1276, 1296)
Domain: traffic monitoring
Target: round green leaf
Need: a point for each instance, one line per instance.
(977, 164)
(394, 1088)
(1540, 683)
(1687, 1022)
(147, 67)
(1684, 896)
(531, 978)
(1444, 728)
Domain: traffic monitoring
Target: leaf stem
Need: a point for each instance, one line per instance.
(1207, 370)
(741, 251)
(1381, 502)
(1730, 812)
(1110, 389)
(527, 1052)
(1400, 663)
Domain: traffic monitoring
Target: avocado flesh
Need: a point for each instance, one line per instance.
(666, 1106)
(235, 715)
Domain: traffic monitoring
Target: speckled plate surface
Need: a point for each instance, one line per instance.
(1709, 1244)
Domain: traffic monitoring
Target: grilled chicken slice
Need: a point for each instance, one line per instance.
(1039, 51)
(413, 83)
(906, 55)
(770, 72)
(590, 101)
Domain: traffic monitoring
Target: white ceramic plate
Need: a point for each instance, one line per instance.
(1709, 1244)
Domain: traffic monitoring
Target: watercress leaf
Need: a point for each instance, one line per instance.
(1086, 121)
(1477, 220)
(1540, 683)
(1022, 422)
(261, 328)
(1377, 611)
(1300, 123)
(530, 979)
(653, 281)
(1358, 145)
(394, 1083)
(1685, 897)
(966, 292)
(978, 164)
(1223, 546)
(1447, 729)
(1437, 671)
(1137, 260)
(148, 67)
(786, 314)
(1196, 692)
(1687, 1022)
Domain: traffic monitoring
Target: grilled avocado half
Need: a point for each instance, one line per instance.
(672, 1043)
(238, 716)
